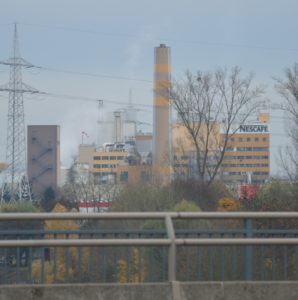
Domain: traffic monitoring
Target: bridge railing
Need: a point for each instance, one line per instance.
(235, 246)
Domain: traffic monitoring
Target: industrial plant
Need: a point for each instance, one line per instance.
(123, 153)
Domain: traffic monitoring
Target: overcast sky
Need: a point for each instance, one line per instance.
(117, 38)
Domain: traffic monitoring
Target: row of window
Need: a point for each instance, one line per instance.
(124, 176)
(241, 181)
(181, 165)
(145, 176)
(246, 157)
(245, 165)
(186, 157)
(247, 149)
(105, 166)
(248, 139)
(109, 157)
(241, 173)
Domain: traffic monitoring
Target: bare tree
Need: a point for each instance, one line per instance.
(82, 186)
(212, 106)
(288, 89)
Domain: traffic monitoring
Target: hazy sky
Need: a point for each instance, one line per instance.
(116, 38)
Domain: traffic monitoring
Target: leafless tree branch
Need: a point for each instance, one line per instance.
(212, 102)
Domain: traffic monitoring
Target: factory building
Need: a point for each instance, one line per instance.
(118, 126)
(247, 156)
(133, 156)
(117, 163)
(184, 163)
(2, 166)
(43, 157)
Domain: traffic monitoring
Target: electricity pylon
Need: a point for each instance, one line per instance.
(15, 185)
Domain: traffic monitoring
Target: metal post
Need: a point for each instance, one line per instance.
(248, 257)
(172, 249)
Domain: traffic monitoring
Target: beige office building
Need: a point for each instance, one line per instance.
(247, 156)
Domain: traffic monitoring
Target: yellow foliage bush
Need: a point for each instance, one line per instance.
(37, 269)
(60, 253)
(227, 204)
(135, 264)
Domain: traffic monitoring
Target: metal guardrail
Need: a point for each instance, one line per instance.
(148, 215)
(171, 241)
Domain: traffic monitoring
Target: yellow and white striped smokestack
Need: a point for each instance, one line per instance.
(161, 114)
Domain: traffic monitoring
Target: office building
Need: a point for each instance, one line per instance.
(247, 156)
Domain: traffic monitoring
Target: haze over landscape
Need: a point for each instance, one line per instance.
(112, 42)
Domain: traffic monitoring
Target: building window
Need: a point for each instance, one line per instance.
(256, 139)
(252, 149)
(264, 139)
(145, 176)
(248, 139)
(124, 176)
(240, 139)
(184, 157)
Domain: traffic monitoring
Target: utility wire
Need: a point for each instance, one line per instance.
(159, 39)
(66, 28)
(78, 98)
(93, 74)
(88, 99)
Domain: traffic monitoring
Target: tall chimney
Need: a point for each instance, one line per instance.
(161, 111)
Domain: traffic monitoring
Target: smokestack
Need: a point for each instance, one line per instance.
(117, 127)
(161, 110)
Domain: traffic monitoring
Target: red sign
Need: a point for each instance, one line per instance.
(248, 191)
(101, 204)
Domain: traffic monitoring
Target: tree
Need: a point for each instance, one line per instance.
(288, 89)
(145, 197)
(48, 199)
(228, 204)
(211, 106)
(19, 207)
(82, 186)
(61, 254)
(13, 229)
(132, 271)
(205, 196)
(155, 255)
(276, 195)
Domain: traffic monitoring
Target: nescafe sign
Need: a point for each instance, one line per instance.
(253, 128)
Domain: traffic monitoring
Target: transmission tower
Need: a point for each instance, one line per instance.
(15, 185)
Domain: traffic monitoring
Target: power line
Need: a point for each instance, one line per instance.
(149, 107)
(66, 28)
(94, 74)
(83, 98)
(164, 39)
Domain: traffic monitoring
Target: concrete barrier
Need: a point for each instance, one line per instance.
(239, 291)
(87, 292)
(154, 291)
